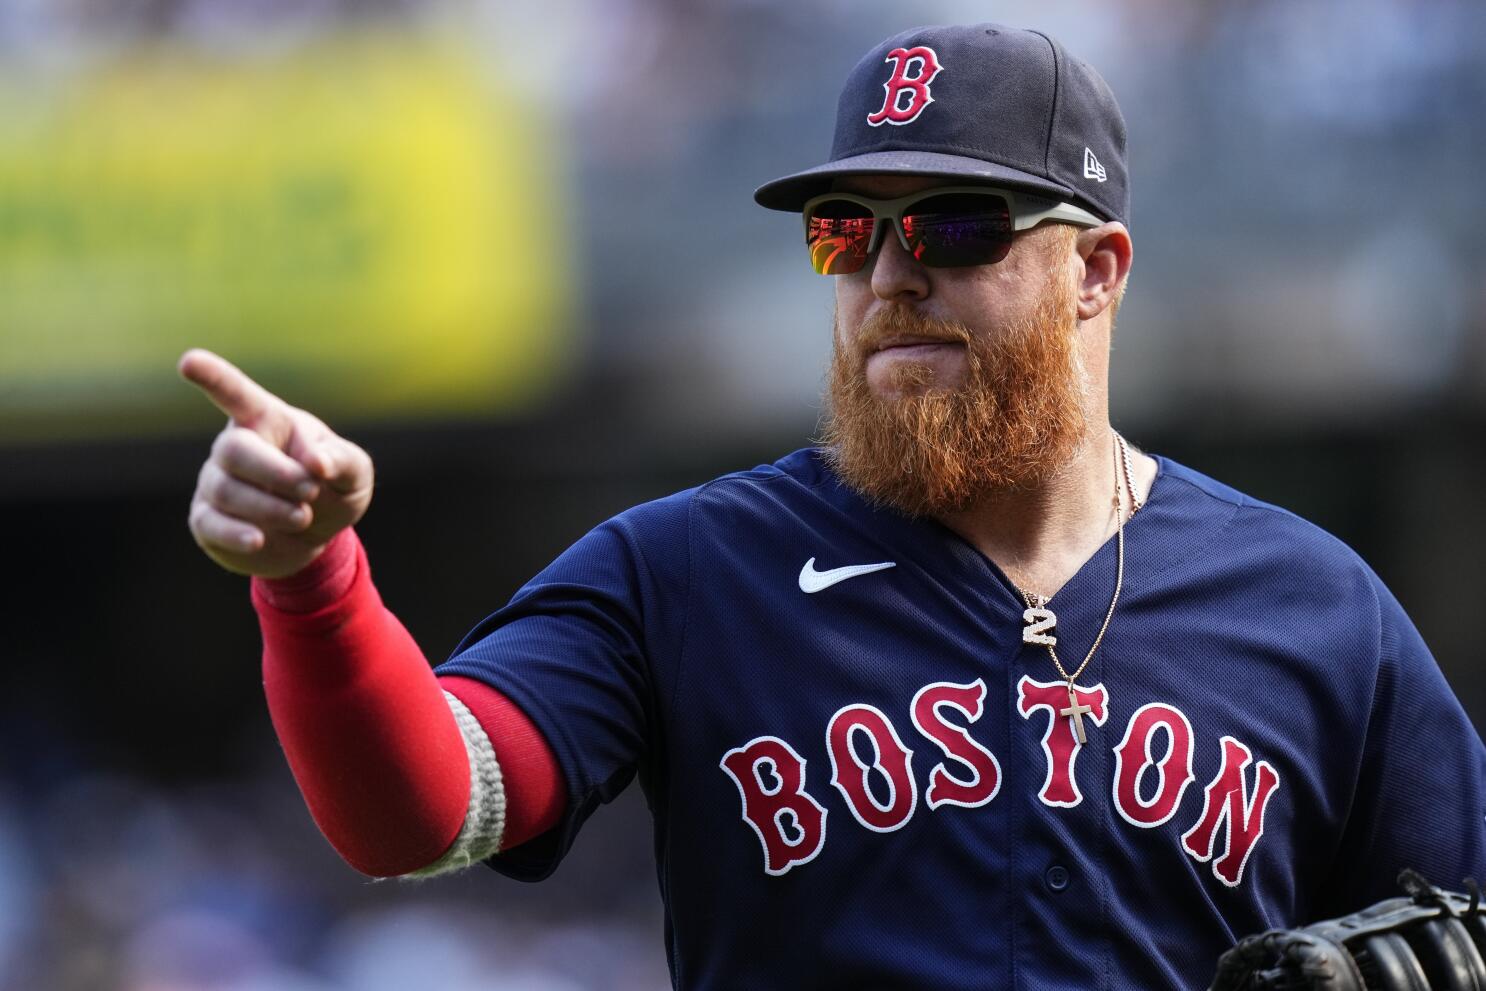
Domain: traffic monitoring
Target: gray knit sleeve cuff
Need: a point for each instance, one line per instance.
(485, 822)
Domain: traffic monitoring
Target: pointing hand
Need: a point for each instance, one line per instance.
(278, 483)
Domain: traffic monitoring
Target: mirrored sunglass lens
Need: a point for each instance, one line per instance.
(959, 229)
(838, 235)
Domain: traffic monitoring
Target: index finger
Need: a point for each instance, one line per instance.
(229, 389)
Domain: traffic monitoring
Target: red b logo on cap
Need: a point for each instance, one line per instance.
(913, 70)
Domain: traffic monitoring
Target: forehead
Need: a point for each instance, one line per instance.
(882, 186)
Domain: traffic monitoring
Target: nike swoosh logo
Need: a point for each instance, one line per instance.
(813, 581)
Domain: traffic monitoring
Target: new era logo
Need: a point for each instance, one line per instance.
(1092, 167)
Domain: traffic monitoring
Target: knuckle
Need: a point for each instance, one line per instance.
(248, 504)
(360, 460)
(213, 486)
(286, 480)
(234, 451)
(231, 495)
(208, 527)
(203, 477)
(271, 509)
(311, 423)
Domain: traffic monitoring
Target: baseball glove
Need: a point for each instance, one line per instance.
(1431, 940)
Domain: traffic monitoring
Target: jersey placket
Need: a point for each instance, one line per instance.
(1057, 787)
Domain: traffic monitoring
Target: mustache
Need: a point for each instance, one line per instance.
(894, 323)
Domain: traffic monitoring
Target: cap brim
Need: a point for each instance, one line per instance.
(792, 191)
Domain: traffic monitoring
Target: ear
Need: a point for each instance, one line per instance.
(1106, 253)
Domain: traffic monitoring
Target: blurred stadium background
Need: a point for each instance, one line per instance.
(511, 249)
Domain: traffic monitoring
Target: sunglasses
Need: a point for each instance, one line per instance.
(944, 227)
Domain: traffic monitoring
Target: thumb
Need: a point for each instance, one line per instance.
(337, 462)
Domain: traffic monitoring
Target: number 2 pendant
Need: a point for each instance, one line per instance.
(1039, 620)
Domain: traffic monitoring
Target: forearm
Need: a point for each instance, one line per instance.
(367, 730)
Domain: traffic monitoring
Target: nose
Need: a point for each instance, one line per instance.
(896, 275)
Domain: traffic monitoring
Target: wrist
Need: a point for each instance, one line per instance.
(323, 581)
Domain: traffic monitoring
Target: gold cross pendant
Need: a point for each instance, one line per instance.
(1076, 712)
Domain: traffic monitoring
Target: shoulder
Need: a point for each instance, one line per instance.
(660, 530)
(1248, 518)
(797, 472)
(791, 478)
(1264, 547)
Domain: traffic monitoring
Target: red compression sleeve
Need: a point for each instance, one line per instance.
(365, 727)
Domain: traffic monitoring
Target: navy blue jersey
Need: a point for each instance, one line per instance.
(865, 778)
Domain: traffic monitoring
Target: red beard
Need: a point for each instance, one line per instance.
(1016, 418)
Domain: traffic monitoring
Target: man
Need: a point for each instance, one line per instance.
(973, 695)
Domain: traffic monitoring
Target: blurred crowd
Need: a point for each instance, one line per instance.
(108, 881)
(1304, 176)
(1307, 199)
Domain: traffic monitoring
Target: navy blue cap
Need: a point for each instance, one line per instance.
(982, 103)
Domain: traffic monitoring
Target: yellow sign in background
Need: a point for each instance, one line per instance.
(370, 225)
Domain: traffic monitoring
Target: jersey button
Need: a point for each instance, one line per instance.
(1056, 877)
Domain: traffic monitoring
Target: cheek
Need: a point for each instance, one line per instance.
(993, 295)
(851, 306)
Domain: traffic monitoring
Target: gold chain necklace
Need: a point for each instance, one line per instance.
(1039, 618)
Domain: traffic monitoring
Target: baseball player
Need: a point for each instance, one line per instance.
(973, 694)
